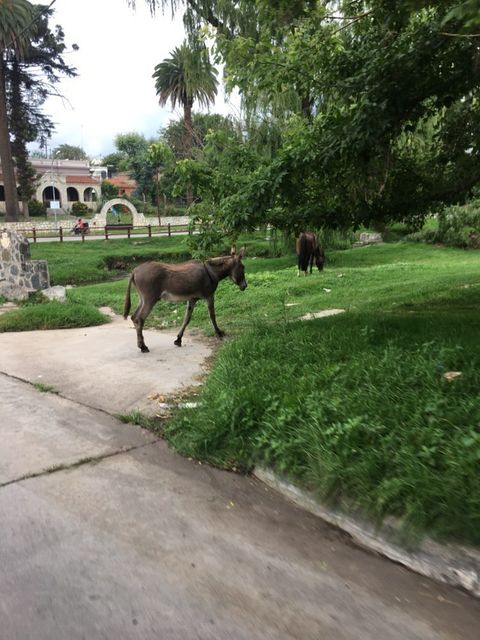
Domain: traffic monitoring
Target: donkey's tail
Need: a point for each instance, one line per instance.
(128, 303)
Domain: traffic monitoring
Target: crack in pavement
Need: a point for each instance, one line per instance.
(59, 394)
(81, 461)
(77, 463)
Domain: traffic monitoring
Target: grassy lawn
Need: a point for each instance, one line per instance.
(96, 261)
(51, 315)
(354, 407)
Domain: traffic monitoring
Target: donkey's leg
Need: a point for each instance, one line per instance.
(141, 315)
(141, 303)
(211, 311)
(139, 322)
(137, 311)
(188, 316)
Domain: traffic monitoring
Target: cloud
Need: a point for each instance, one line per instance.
(114, 92)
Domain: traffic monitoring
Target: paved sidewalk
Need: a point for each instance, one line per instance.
(102, 366)
(111, 535)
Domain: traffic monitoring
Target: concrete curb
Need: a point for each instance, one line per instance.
(451, 564)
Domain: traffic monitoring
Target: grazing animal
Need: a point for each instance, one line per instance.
(308, 249)
(189, 281)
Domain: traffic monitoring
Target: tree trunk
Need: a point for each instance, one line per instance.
(158, 199)
(9, 182)
(187, 111)
(306, 107)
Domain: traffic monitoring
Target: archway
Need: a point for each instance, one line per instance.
(101, 218)
(50, 194)
(117, 202)
(119, 214)
(89, 195)
(72, 194)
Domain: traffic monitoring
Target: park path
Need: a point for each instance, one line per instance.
(108, 533)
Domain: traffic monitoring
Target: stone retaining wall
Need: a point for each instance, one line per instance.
(143, 221)
(19, 275)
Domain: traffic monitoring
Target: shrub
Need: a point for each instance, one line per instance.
(79, 209)
(336, 238)
(458, 226)
(109, 190)
(36, 209)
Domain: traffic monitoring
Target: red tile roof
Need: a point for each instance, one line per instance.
(81, 180)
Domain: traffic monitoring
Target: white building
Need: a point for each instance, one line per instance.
(60, 183)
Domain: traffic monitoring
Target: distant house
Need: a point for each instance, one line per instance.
(60, 183)
(125, 185)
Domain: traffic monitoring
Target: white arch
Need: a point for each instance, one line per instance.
(126, 203)
(138, 219)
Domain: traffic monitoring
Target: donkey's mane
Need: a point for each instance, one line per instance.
(218, 261)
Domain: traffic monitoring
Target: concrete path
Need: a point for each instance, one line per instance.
(102, 367)
(105, 533)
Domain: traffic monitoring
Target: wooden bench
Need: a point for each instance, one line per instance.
(119, 226)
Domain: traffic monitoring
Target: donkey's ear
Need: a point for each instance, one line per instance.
(233, 251)
(241, 253)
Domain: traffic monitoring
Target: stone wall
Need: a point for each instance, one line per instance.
(368, 238)
(42, 225)
(19, 275)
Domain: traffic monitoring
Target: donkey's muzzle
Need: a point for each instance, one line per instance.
(243, 285)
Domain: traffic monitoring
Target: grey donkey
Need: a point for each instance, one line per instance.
(188, 281)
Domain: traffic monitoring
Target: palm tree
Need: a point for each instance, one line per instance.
(16, 17)
(186, 76)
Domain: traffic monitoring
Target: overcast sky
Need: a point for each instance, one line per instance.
(114, 91)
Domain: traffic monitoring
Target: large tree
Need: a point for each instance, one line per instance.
(30, 80)
(69, 152)
(378, 105)
(186, 76)
(173, 134)
(16, 19)
(133, 148)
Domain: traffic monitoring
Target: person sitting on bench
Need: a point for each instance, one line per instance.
(79, 227)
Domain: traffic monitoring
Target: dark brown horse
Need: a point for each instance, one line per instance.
(189, 281)
(309, 250)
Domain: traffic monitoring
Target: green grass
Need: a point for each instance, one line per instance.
(146, 422)
(94, 261)
(51, 315)
(45, 388)
(376, 277)
(354, 407)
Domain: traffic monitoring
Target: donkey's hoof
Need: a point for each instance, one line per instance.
(220, 334)
(144, 349)
(178, 342)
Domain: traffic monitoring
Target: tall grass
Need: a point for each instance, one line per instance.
(51, 315)
(354, 407)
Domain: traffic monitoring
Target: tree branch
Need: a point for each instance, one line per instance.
(32, 21)
(460, 35)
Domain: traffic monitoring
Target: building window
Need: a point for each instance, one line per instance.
(72, 194)
(50, 193)
(89, 195)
